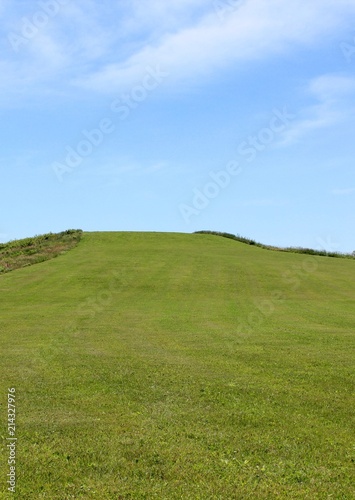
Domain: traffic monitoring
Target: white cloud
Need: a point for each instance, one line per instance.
(166, 15)
(329, 87)
(257, 30)
(343, 192)
(264, 202)
(107, 46)
(156, 167)
(4, 5)
(334, 95)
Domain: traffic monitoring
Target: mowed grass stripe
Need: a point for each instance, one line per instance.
(172, 366)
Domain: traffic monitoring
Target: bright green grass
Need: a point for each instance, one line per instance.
(170, 383)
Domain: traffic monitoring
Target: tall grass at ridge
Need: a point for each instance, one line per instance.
(27, 251)
(301, 250)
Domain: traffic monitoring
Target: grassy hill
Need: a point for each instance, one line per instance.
(28, 251)
(175, 366)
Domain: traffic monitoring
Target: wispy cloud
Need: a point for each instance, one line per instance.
(343, 192)
(156, 167)
(334, 97)
(110, 44)
(111, 168)
(3, 5)
(263, 202)
(332, 87)
(257, 30)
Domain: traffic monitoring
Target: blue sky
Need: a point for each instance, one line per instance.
(231, 115)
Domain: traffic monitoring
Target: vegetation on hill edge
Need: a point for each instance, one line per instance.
(309, 251)
(25, 252)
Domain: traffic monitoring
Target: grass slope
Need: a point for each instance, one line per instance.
(308, 251)
(175, 366)
(28, 251)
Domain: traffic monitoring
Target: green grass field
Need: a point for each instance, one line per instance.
(174, 366)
